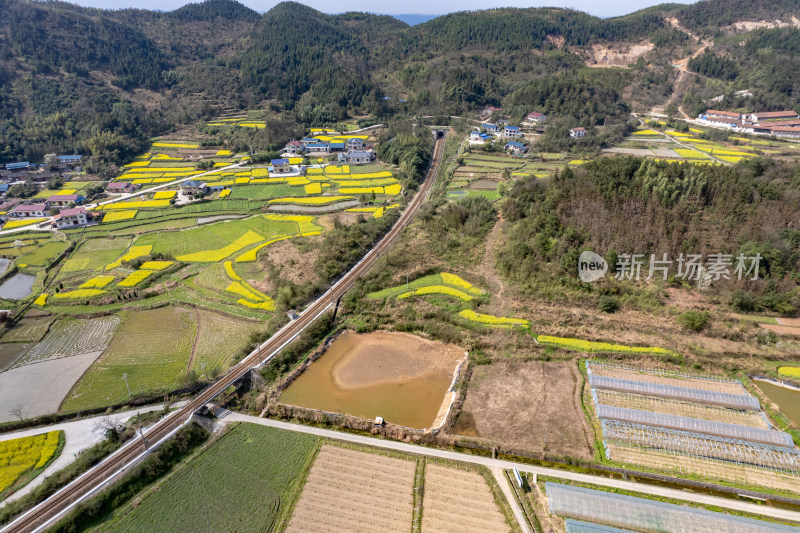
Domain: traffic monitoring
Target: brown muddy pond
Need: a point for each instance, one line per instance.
(403, 378)
(788, 400)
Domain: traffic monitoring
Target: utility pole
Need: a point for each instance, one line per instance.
(125, 377)
(203, 366)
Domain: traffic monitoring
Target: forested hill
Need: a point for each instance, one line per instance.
(78, 79)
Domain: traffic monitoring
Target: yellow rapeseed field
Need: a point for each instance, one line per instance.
(230, 272)
(78, 294)
(313, 188)
(41, 300)
(116, 216)
(251, 255)
(132, 253)
(135, 278)
(162, 195)
(18, 456)
(495, 321)
(11, 224)
(224, 193)
(98, 282)
(313, 200)
(156, 265)
(212, 256)
(162, 144)
(594, 347)
(437, 289)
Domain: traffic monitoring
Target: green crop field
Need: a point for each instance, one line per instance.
(220, 338)
(28, 330)
(42, 255)
(95, 254)
(247, 481)
(152, 347)
(214, 236)
(265, 192)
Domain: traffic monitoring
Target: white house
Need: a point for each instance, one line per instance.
(70, 218)
(517, 148)
(355, 143)
(491, 128)
(577, 133)
(357, 157)
(29, 210)
(512, 132)
(478, 137)
(534, 118)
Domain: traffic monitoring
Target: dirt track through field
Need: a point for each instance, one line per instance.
(459, 501)
(354, 491)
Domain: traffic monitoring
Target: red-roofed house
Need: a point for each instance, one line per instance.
(121, 187)
(534, 118)
(293, 147)
(784, 131)
(70, 218)
(713, 113)
(64, 200)
(577, 133)
(29, 211)
(774, 115)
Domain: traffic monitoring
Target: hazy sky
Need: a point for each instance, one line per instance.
(607, 8)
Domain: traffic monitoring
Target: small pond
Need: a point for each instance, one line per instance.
(17, 287)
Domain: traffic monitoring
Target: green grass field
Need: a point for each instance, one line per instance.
(42, 255)
(213, 236)
(152, 347)
(219, 340)
(28, 330)
(265, 192)
(247, 481)
(95, 254)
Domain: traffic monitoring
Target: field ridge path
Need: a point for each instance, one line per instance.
(503, 483)
(488, 271)
(196, 338)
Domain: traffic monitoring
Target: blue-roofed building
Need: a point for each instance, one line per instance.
(336, 147)
(491, 128)
(515, 147)
(309, 140)
(4, 188)
(478, 137)
(19, 166)
(316, 148)
(511, 132)
(69, 159)
(194, 187)
(280, 165)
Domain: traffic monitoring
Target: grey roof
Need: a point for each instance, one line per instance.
(641, 514)
(695, 425)
(736, 401)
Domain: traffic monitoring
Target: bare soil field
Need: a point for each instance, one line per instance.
(10, 352)
(459, 501)
(712, 470)
(782, 330)
(729, 416)
(354, 491)
(390, 357)
(676, 381)
(72, 337)
(533, 406)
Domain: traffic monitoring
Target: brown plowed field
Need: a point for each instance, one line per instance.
(354, 491)
(533, 406)
(458, 501)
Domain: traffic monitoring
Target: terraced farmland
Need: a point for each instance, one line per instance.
(72, 337)
(219, 339)
(354, 491)
(151, 347)
(459, 500)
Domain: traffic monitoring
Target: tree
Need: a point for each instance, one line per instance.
(51, 160)
(17, 412)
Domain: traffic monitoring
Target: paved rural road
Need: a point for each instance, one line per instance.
(79, 435)
(126, 196)
(61, 502)
(763, 510)
(502, 482)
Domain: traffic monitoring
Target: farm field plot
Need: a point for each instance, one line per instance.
(219, 339)
(459, 500)
(42, 255)
(26, 456)
(245, 482)
(726, 387)
(10, 352)
(715, 470)
(348, 490)
(152, 347)
(214, 236)
(95, 254)
(692, 410)
(28, 330)
(519, 405)
(69, 337)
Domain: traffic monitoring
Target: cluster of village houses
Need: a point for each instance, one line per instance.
(777, 123)
(350, 151)
(68, 206)
(514, 135)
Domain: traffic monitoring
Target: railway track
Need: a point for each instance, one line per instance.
(47, 511)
